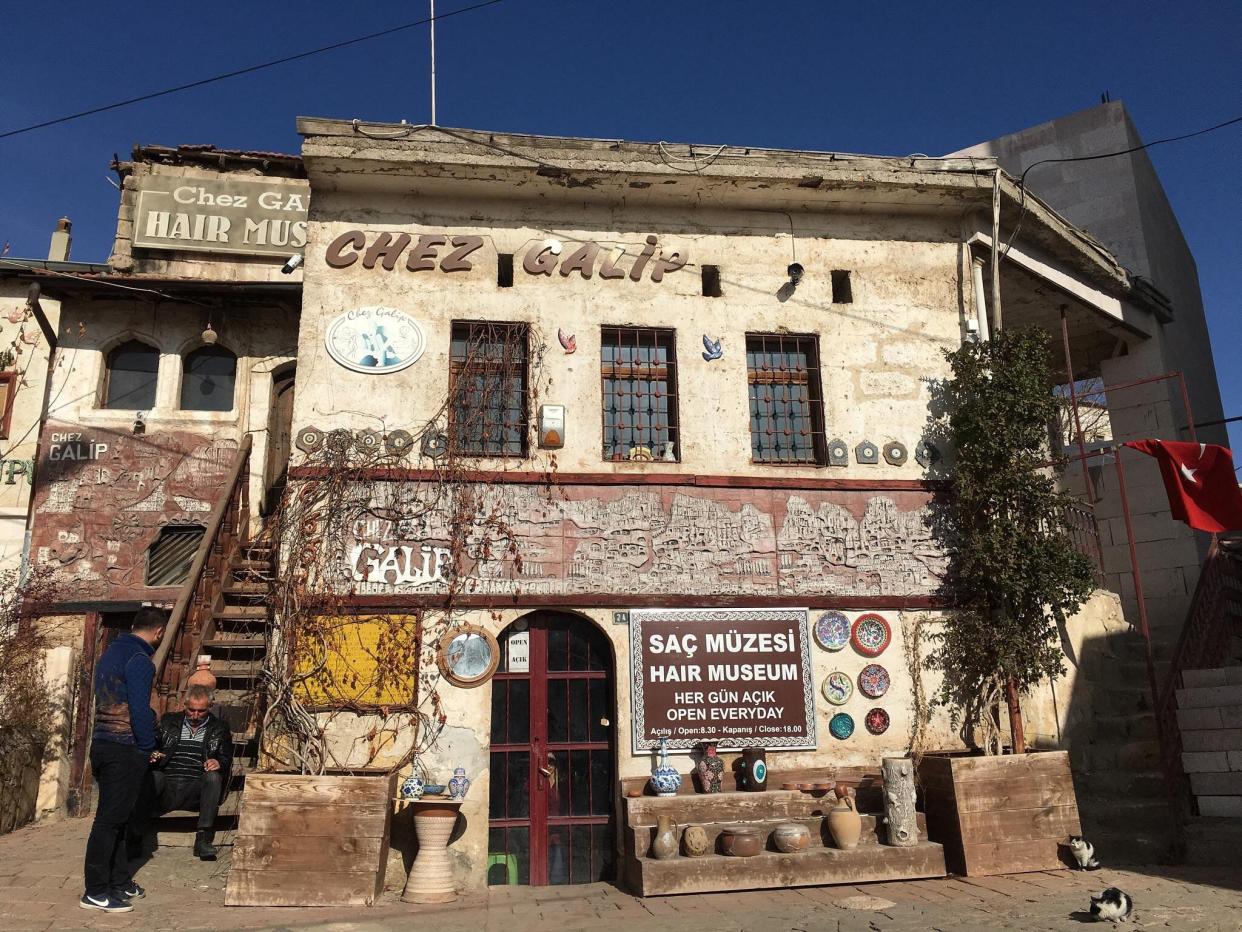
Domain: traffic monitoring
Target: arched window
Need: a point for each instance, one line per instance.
(208, 376)
(131, 373)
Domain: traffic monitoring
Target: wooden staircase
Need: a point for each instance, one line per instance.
(223, 612)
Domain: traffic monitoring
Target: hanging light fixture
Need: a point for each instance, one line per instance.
(209, 335)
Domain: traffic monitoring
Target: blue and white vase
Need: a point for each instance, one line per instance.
(458, 785)
(665, 779)
(412, 787)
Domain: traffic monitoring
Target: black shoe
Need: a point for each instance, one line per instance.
(131, 891)
(106, 903)
(204, 850)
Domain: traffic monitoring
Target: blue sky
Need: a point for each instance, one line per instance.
(887, 78)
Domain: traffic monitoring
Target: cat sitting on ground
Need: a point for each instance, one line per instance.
(1112, 906)
(1084, 853)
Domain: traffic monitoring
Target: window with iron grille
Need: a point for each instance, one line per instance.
(786, 400)
(639, 371)
(487, 386)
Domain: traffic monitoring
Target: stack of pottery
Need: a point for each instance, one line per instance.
(844, 822)
(665, 779)
(710, 770)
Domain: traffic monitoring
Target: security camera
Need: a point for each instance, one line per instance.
(291, 263)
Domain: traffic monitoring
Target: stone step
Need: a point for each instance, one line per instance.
(1129, 784)
(1119, 848)
(1112, 814)
(1212, 841)
(1219, 676)
(1121, 728)
(1120, 700)
(1206, 697)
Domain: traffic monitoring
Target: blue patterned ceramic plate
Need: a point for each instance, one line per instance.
(842, 725)
(837, 688)
(832, 630)
(873, 681)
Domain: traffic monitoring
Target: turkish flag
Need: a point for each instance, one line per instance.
(1202, 486)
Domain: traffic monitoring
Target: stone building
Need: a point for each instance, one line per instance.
(665, 392)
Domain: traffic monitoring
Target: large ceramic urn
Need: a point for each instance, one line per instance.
(844, 822)
(753, 775)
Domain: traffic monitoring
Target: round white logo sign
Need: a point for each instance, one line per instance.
(375, 339)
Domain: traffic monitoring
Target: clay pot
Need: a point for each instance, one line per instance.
(664, 846)
(741, 842)
(791, 837)
(202, 675)
(696, 842)
(844, 823)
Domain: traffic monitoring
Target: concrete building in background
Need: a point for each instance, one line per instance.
(1121, 202)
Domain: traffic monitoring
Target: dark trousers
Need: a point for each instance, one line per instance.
(119, 770)
(200, 794)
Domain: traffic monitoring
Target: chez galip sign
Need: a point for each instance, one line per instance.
(216, 215)
(736, 677)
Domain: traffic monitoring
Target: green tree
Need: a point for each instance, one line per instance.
(1016, 573)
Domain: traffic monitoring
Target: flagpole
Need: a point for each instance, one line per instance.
(433, 62)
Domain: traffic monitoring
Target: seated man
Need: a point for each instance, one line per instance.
(193, 765)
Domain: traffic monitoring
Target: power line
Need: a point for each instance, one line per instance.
(1103, 155)
(240, 71)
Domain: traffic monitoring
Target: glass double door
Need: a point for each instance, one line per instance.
(552, 780)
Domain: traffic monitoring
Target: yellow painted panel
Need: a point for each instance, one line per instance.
(369, 660)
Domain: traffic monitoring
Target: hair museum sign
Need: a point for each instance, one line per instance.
(216, 215)
(736, 677)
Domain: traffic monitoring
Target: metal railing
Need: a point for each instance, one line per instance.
(192, 614)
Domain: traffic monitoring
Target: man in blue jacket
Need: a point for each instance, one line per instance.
(121, 747)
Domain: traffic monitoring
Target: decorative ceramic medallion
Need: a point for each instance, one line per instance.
(895, 453)
(435, 444)
(873, 681)
(925, 454)
(877, 721)
(399, 442)
(837, 688)
(832, 630)
(842, 725)
(838, 453)
(871, 634)
(375, 339)
(309, 439)
(867, 453)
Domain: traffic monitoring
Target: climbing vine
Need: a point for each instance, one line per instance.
(415, 486)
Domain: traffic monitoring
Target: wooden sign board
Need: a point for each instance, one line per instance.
(311, 841)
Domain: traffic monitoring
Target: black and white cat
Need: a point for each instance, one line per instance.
(1084, 853)
(1112, 906)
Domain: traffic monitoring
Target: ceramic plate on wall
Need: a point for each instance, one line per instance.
(877, 721)
(832, 630)
(842, 725)
(873, 681)
(837, 688)
(871, 634)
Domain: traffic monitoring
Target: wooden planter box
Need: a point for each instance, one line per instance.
(1000, 815)
(311, 841)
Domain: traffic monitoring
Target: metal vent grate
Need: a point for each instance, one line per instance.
(170, 557)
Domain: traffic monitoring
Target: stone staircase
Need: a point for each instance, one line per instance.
(1209, 713)
(1122, 792)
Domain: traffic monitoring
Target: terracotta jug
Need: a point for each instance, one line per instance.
(202, 675)
(844, 822)
(665, 844)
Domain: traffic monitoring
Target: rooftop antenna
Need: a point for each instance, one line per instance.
(433, 62)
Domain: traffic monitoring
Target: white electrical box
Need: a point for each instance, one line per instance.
(551, 426)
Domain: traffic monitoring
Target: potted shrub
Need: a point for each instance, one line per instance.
(1015, 575)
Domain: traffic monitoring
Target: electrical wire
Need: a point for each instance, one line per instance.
(248, 70)
(1102, 155)
(100, 281)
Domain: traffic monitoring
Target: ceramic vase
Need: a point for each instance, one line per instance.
(458, 785)
(790, 837)
(664, 845)
(665, 779)
(754, 770)
(844, 823)
(696, 841)
(412, 787)
(710, 770)
(202, 675)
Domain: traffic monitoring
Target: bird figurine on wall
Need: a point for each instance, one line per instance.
(1112, 906)
(569, 342)
(711, 348)
(1084, 853)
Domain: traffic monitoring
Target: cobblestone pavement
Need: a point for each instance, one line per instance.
(41, 880)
